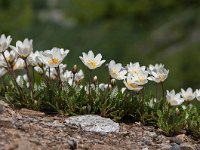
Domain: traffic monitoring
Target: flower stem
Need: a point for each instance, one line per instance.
(167, 112)
(29, 77)
(33, 75)
(73, 79)
(90, 74)
(109, 83)
(10, 70)
(143, 96)
(156, 91)
(132, 94)
(58, 72)
(163, 90)
(49, 73)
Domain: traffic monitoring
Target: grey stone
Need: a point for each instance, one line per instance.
(93, 123)
(187, 146)
(55, 123)
(73, 144)
(174, 146)
(181, 138)
(165, 147)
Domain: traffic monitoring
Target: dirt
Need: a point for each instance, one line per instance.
(31, 130)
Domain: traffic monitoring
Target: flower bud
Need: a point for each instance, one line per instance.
(177, 112)
(109, 87)
(95, 80)
(74, 69)
(113, 82)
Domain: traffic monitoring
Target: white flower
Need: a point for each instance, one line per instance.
(116, 71)
(91, 61)
(62, 68)
(10, 57)
(3, 71)
(35, 59)
(22, 80)
(188, 95)
(154, 67)
(18, 64)
(134, 69)
(23, 49)
(66, 76)
(184, 107)
(54, 57)
(174, 99)
(4, 42)
(151, 102)
(131, 85)
(123, 90)
(79, 76)
(53, 73)
(14, 62)
(103, 86)
(197, 94)
(55, 50)
(141, 78)
(38, 69)
(158, 72)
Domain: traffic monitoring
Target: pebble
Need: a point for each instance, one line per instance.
(149, 142)
(187, 146)
(174, 146)
(179, 139)
(93, 123)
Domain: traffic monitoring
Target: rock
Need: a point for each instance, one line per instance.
(165, 147)
(2, 103)
(179, 139)
(174, 146)
(7, 123)
(92, 123)
(73, 144)
(28, 112)
(55, 123)
(187, 146)
(21, 144)
(149, 142)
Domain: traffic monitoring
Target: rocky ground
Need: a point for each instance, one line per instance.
(30, 130)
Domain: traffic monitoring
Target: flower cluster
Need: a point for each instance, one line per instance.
(40, 80)
(184, 96)
(47, 63)
(133, 75)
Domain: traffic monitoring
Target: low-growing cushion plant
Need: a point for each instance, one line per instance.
(38, 80)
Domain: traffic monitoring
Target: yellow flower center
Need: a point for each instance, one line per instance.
(161, 77)
(135, 71)
(115, 72)
(131, 85)
(141, 79)
(92, 63)
(15, 66)
(53, 61)
(8, 58)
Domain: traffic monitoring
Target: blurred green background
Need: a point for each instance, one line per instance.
(148, 31)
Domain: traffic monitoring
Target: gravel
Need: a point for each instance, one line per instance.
(26, 129)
